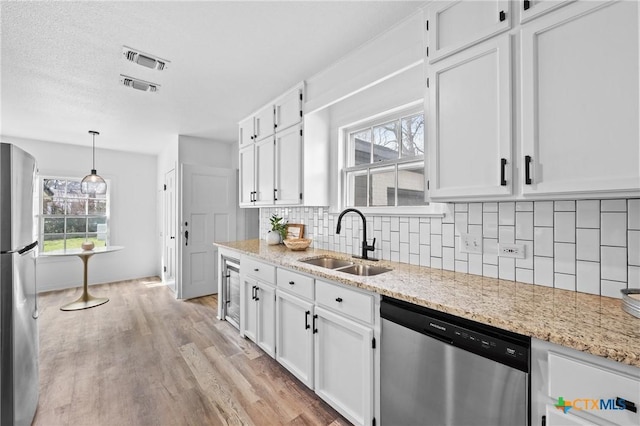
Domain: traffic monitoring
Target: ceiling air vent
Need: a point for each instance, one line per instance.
(144, 59)
(136, 83)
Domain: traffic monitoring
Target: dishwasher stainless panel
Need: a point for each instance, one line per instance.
(426, 379)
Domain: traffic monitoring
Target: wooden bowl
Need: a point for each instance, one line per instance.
(297, 244)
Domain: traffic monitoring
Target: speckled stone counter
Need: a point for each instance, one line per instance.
(585, 322)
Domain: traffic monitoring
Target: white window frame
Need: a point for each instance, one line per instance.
(428, 209)
(41, 216)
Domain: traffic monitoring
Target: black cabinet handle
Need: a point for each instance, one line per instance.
(275, 194)
(339, 299)
(502, 16)
(315, 330)
(625, 404)
(306, 320)
(526, 4)
(527, 169)
(257, 288)
(253, 292)
(503, 171)
(291, 282)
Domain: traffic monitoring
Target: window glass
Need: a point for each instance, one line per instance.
(411, 184)
(383, 187)
(413, 136)
(69, 217)
(385, 139)
(360, 147)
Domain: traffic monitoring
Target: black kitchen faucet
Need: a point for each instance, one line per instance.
(365, 246)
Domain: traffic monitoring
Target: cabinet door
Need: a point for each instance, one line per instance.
(580, 95)
(248, 308)
(456, 25)
(266, 318)
(245, 132)
(247, 175)
(289, 166)
(288, 110)
(344, 366)
(469, 139)
(265, 172)
(294, 338)
(556, 417)
(264, 123)
(533, 8)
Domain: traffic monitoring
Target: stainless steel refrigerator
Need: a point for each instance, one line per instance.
(18, 300)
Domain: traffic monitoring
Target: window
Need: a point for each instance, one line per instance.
(69, 217)
(385, 163)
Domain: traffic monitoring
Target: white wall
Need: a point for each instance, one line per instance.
(132, 217)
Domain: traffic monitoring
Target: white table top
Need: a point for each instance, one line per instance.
(80, 252)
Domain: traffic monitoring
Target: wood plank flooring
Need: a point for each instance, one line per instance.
(145, 358)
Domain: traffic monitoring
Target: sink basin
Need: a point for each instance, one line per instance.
(328, 262)
(364, 270)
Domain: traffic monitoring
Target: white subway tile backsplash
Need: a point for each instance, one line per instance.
(634, 214)
(588, 277)
(591, 246)
(633, 249)
(588, 244)
(612, 288)
(543, 213)
(565, 282)
(543, 271)
(543, 241)
(524, 225)
(507, 213)
(565, 227)
(614, 229)
(588, 214)
(475, 214)
(613, 205)
(565, 258)
(564, 206)
(613, 263)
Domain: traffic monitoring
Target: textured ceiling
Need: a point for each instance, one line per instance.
(61, 62)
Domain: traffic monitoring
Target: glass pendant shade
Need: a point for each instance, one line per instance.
(93, 184)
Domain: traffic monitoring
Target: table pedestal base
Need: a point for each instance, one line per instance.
(84, 302)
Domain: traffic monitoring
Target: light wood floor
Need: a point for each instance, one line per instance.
(145, 358)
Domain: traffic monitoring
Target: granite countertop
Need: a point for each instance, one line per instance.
(588, 323)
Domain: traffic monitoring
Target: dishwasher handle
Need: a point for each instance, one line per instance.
(433, 335)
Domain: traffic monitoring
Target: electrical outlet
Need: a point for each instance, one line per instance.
(471, 243)
(511, 250)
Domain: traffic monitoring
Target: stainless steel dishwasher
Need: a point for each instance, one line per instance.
(438, 369)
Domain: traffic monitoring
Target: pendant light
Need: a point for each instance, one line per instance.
(93, 183)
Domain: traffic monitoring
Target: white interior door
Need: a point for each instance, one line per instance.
(169, 233)
(208, 215)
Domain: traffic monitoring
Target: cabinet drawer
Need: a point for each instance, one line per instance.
(261, 271)
(593, 389)
(295, 283)
(345, 301)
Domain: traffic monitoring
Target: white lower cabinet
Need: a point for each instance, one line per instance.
(294, 336)
(258, 316)
(344, 365)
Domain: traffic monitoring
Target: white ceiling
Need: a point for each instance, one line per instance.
(61, 62)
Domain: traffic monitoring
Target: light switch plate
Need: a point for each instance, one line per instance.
(470, 243)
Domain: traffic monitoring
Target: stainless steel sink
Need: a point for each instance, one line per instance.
(328, 262)
(364, 270)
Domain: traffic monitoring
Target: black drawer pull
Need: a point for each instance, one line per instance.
(503, 171)
(315, 330)
(627, 405)
(526, 5)
(527, 169)
(339, 299)
(255, 269)
(502, 16)
(291, 283)
(306, 320)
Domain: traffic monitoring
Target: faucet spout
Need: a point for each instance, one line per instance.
(365, 247)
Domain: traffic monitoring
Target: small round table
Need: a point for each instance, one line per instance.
(86, 300)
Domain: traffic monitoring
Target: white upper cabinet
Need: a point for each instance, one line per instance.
(288, 110)
(247, 175)
(288, 187)
(265, 172)
(246, 134)
(469, 114)
(580, 101)
(455, 25)
(530, 9)
(264, 123)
